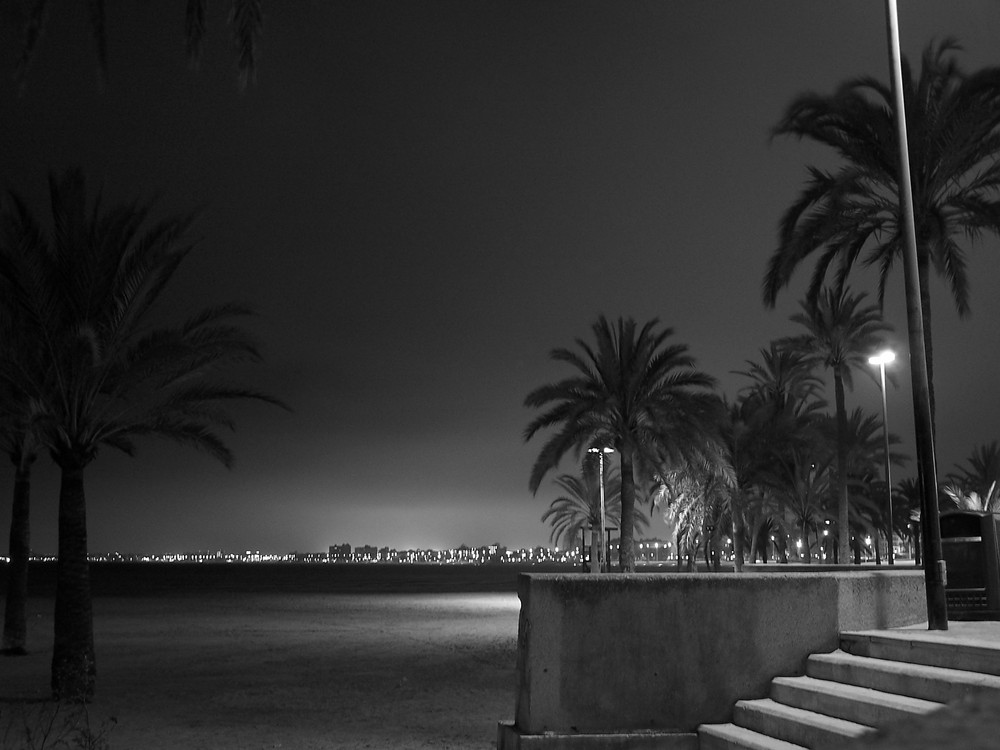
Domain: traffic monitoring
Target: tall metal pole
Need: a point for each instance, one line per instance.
(934, 566)
(890, 557)
(600, 454)
(604, 542)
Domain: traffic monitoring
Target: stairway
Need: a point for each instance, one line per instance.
(876, 678)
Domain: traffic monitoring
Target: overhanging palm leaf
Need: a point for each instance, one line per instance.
(982, 470)
(245, 17)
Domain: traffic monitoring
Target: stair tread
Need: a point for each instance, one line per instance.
(917, 706)
(747, 738)
(910, 669)
(802, 716)
(925, 647)
(917, 636)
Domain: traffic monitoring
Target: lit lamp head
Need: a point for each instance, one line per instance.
(600, 450)
(882, 358)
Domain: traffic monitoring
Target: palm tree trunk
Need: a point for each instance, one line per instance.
(805, 542)
(716, 552)
(738, 530)
(843, 518)
(15, 627)
(73, 666)
(626, 546)
(594, 550)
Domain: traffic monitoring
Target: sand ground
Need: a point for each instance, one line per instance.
(302, 671)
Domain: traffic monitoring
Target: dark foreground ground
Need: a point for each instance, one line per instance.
(304, 671)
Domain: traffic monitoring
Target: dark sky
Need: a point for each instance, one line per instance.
(421, 199)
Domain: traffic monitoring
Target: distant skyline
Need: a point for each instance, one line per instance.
(422, 199)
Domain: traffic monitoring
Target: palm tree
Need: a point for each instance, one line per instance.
(245, 16)
(776, 413)
(906, 507)
(798, 478)
(852, 214)
(19, 446)
(782, 383)
(685, 508)
(865, 462)
(87, 292)
(698, 502)
(20, 370)
(632, 392)
(840, 335)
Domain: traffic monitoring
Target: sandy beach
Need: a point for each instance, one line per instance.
(302, 671)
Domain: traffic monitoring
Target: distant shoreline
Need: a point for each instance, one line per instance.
(193, 578)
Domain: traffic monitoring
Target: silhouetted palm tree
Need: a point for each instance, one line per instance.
(852, 214)
(798, 479)
(841, 335)
(777, 413)
(21, 371)
(632, 392)
(906, 504)
(865, 464)
(19, 445)
(87, 291)
(783, 383)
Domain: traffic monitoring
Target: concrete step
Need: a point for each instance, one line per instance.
(903, 678)
(796, 725)
(861, 705)
(924, 647)
(732, 737)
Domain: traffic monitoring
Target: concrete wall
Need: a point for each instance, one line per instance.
(667, 652)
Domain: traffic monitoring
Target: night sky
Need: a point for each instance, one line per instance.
(421, 199)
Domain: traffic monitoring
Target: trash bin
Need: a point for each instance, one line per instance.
(969, 543)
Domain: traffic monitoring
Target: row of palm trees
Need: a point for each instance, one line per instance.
(761, 470)
(634, 393)
(86, 364)
(772, 455)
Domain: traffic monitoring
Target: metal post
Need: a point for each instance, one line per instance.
(934, 565)
(604, 541)
(604, 550)
(888, 479)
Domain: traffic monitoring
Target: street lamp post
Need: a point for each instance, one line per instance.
(600, 455)
(882, 359)
(935, 570)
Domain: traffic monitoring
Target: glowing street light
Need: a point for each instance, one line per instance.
(600, 453)
(882, 359)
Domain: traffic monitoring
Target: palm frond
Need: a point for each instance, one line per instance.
(194, 31)
(247, 20)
